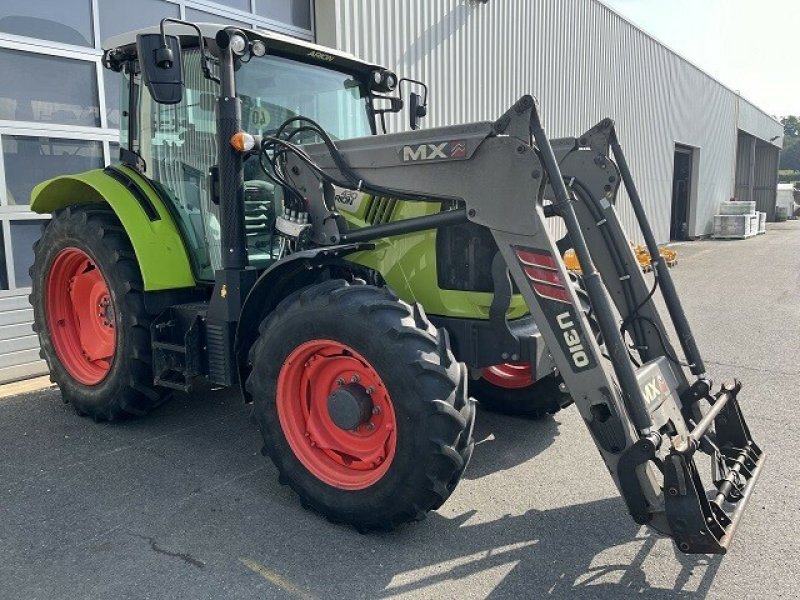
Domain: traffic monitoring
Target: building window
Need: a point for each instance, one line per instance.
(48, 89)
(30, 160)
(291, 12)
(64, 21)
(199, 16)
(243, 5)
(113, 87)
(3, 271)
(23, 234)
(120, 17)
(113, 153)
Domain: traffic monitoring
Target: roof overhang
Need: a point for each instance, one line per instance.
(278, 44)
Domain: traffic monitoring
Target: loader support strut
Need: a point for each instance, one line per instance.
(668, 290)
(618, 353)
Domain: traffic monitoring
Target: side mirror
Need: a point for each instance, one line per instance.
(416, 109)
(162, 70)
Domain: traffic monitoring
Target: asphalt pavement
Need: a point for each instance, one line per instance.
(181, 504)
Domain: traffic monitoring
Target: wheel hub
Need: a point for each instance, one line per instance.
(350, 406)
(336, 414)
(80, 316)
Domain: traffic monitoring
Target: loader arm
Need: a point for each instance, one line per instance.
(643, 413)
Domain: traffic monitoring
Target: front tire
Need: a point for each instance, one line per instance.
(361, 404)
(89, 314)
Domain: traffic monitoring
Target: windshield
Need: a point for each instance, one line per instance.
(178, 142)
(275, 89)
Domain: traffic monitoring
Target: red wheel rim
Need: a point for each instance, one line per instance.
(80, 316)
(345, 459)
(512, 376)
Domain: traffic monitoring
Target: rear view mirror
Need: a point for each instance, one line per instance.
(162, 70)
(416, 109)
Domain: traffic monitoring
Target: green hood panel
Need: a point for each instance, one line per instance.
(408, 262)
(158, 244)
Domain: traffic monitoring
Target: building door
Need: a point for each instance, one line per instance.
(681, 193)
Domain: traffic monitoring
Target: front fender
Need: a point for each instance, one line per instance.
(275, 284)
(156, 240)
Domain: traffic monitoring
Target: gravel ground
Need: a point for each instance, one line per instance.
(182, 505)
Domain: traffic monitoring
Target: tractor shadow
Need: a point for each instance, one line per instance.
(588, 551)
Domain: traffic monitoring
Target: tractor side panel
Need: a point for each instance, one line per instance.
(158, 244)
(408, 262)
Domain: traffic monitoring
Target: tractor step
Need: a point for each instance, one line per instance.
(178, 340)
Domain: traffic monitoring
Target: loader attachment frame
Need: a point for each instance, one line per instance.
(646, 417)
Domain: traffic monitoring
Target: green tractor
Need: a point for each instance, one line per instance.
(142, 278)
(262, 230)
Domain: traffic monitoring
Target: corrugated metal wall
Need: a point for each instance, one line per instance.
(581, 60)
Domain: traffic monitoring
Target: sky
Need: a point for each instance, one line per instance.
(752, 46)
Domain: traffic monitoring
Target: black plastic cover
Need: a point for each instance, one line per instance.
(165, 84)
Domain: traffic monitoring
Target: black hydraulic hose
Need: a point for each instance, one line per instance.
(614, 252)
(668, 291)
(353, 179)
(615, 345)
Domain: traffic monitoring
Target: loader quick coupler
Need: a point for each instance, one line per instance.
(700, 521)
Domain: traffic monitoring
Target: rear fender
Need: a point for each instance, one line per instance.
(276, 283)
(156, 240)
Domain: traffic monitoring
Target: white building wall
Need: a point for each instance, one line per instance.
(582, 61)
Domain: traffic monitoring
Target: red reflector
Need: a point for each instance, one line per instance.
(536, 259)
(537, 274)
(552, 292)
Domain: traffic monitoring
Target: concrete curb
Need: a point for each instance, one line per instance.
(25, 386)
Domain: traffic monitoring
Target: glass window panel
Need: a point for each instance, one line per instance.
(118, 16)
(63, 90)
(113, 150)
(3, 272)
(30, 160)
(113, 86)
(65, 21)
(292, 12)
(200, 16)
(23, 235)
(238, 4)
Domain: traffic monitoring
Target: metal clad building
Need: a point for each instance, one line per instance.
(680, 127)
(59, 113)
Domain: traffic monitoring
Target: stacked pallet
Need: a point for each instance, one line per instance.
(641, 253)
(738, 221)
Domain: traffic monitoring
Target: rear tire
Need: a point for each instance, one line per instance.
(335, 336)
(533, 401)
(89, 314)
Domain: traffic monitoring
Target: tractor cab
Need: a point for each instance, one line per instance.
(276, 78)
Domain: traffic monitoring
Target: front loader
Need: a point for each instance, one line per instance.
(356, 286)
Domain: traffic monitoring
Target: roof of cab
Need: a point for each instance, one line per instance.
(280, 44)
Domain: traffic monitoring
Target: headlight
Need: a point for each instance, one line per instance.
(383, 80)
(238, 44)
(258, 48)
